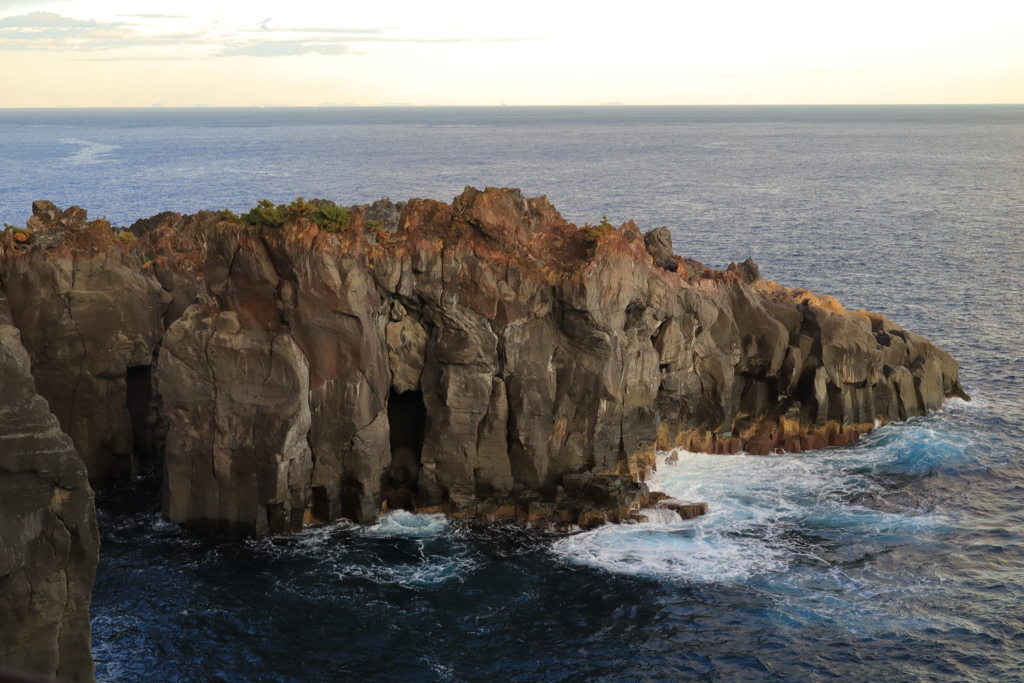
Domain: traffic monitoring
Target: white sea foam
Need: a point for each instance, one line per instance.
(650, 551)
(403, 549)
(662, 517)
(89, 152)
(769, 514)
(402, 524)
(430, 571)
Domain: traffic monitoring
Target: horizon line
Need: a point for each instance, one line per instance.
(615, 105)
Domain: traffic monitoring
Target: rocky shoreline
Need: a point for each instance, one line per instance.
(309, 362)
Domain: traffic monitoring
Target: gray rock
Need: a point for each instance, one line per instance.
(90, 318)
(387, 212)
(659, 246)
(49, 540)
(407, 348)
(237, 400)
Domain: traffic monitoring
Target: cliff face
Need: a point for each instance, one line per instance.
(90, 320)
(484, 357)
(49, 541)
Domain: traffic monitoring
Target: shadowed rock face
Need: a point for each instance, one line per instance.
(89, 316)
(49, 541)
(466, 357)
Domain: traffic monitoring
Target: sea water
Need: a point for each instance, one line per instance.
(897, 558)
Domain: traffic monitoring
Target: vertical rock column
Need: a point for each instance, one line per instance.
(236, 395)
(334, 312)
(236, 399)
(49, 541)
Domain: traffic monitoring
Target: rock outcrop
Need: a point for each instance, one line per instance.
(90, 318)
(49, 541)
(306, 363)
(479, 357)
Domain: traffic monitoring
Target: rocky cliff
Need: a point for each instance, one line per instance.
(89, 316)
(485, 357)
(49, 541)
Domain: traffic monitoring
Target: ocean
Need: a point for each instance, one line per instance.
(897, 558)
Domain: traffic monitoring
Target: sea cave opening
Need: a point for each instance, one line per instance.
(407, 415)
(139, 402)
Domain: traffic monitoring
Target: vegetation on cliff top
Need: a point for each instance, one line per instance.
(594, 232)
(327, 215)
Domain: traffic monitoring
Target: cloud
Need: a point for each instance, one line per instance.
(9, 4)
(54, 32)
(155, 16)
(120, 40)
(282, 48)
(46, 20)
(353, 31)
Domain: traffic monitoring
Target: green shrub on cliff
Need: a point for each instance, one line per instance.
(300, 208)
(594, 232)
(331, 217)
(265, 214)
(228, 216)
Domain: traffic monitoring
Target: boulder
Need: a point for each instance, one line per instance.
(659, 245)
(386, 212)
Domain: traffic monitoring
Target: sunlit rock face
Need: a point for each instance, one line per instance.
(49, 541)
(479, 357)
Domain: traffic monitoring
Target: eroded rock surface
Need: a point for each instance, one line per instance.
(239, 400)
(320, 363)
(49, 540)
(89, 316)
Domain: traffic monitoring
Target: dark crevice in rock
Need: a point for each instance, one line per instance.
(407, 415)
(145, 410)
(320, 505)
(350, 499)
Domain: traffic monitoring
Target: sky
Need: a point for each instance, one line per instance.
(140, 53)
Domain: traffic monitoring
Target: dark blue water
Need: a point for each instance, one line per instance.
(899, 558)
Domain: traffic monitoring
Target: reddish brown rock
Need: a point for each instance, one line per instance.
(590, 518)
(684, 509)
